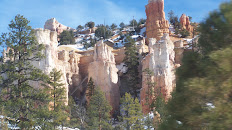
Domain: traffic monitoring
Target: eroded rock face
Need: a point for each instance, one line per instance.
(104, 73)
(156, 24)
(160, 61)
(64, 61)
(184, 21)
(53, 25)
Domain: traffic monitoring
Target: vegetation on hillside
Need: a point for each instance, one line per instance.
(202, 99)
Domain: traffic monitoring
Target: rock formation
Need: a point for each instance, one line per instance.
(53, 25)
(104, 73)
(65, 61)
(160, 61)
(156, 24)
(184, 21)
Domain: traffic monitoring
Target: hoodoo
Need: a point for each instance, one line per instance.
(156, 23)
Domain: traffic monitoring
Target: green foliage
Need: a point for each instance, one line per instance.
(80, 27)
(99, 111)
(90, 88)
(133, 23)
(131, 60)
(184, 33)
(142, 21)
(103, 32)
(67, 38)
(58, 113)
(173, 19)
(78, 115)
(90, 24)
(133, 113)
(89, 44)
(18, 95)
(149, 122)
(113, 26)
(215, 31)
(151, 87)
(202, 99)
(122, 25)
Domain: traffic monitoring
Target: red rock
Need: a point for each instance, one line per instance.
(156, 24)
(184, 21)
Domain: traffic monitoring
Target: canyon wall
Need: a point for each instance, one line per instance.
(104, 73)
(156, 24)
(161, 62)
(64, 61)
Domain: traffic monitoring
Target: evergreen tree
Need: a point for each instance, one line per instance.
(122, 25)
(215, 31)
(90, 88)
(133, 23)
(202, 99)
(67, 38)
(103, 32)
(113, 26)
(18, 95)
(131, 60)
(57, 90)
(90, 24)
(151, 88)
(80, 27)
(99, 111)
(132, 113)
(78, 114)
(184, 33)
(142, 21)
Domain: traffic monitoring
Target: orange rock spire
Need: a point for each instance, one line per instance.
(156, 23)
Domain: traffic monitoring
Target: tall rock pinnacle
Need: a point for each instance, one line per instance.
(156, 23)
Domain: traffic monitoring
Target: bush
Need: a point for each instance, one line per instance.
(67, 38)
(103, 31)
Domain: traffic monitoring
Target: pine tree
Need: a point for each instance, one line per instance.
(90, 24)
(113, 26)
(132, 114)
(90, 88)
(122, 25)
(18, 95)
(67, 38)
(78, 114)
(131, 60)
(99, 111)
(57, 90)
(103, 32)
(202, 99)
(150, 98)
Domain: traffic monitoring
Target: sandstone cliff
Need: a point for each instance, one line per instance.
(160, 61)
(65, 61)
(104, 73)
(156, 24)
(53, 25)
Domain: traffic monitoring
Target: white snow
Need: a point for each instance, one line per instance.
(79, 47)
(142, 31)
(122, 68)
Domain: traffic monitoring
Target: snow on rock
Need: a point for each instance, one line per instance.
(122, 68)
